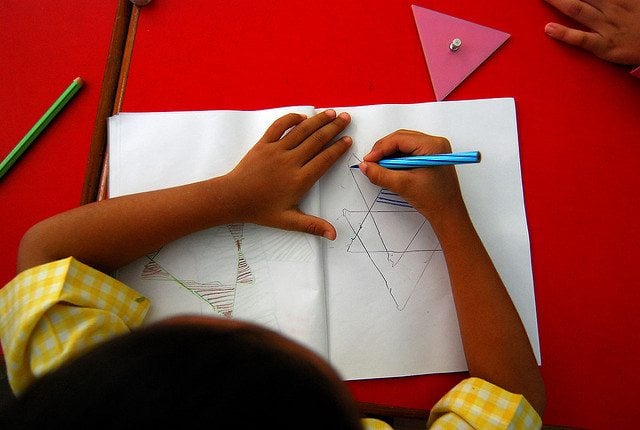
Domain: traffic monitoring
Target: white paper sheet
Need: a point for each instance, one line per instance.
(389, 305)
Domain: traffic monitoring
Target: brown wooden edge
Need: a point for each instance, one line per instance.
(122, 85)
(111, 94)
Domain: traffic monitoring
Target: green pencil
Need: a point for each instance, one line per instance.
(39, 126)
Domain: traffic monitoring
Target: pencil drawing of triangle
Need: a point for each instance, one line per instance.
(221, 295)
(393, 236)
(449, 68)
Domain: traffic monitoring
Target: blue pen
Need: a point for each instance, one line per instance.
(415, 161)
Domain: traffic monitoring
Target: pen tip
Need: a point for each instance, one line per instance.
(78, 80)
(355, 166)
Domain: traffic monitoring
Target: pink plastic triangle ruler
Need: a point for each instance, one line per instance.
(449, 64)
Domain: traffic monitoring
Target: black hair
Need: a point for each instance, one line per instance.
(241, 377)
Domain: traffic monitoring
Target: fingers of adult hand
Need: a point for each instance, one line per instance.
(307, 127)
(282, 124)
(315, 143)
(408, 142)
(581, 11)
(571, 36)
(326, 158)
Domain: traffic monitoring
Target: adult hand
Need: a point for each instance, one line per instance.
(279, 170)
(613, 28)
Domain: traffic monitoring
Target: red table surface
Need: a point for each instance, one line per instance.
(45, 45)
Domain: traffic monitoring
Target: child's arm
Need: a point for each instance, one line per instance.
(495, 342)
(265, 188)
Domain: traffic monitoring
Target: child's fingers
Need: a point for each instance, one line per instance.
(382, 177)
(401, 141)
(282, 124)
(315, 143)
(321, 162)
(407, 142)
(296, 220)
(374, 172)
(307, 127)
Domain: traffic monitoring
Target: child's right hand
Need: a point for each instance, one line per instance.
(433, 191)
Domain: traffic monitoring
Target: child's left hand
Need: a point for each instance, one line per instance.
(279, 170)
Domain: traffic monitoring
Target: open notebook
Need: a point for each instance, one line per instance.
(375, 302)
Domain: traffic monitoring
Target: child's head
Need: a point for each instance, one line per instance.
(195, 370)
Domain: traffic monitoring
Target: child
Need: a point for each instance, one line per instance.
(62, 314)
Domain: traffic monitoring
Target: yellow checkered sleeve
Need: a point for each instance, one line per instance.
(374, 424)
(53, 312)
(478, 404)
(475, 404)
